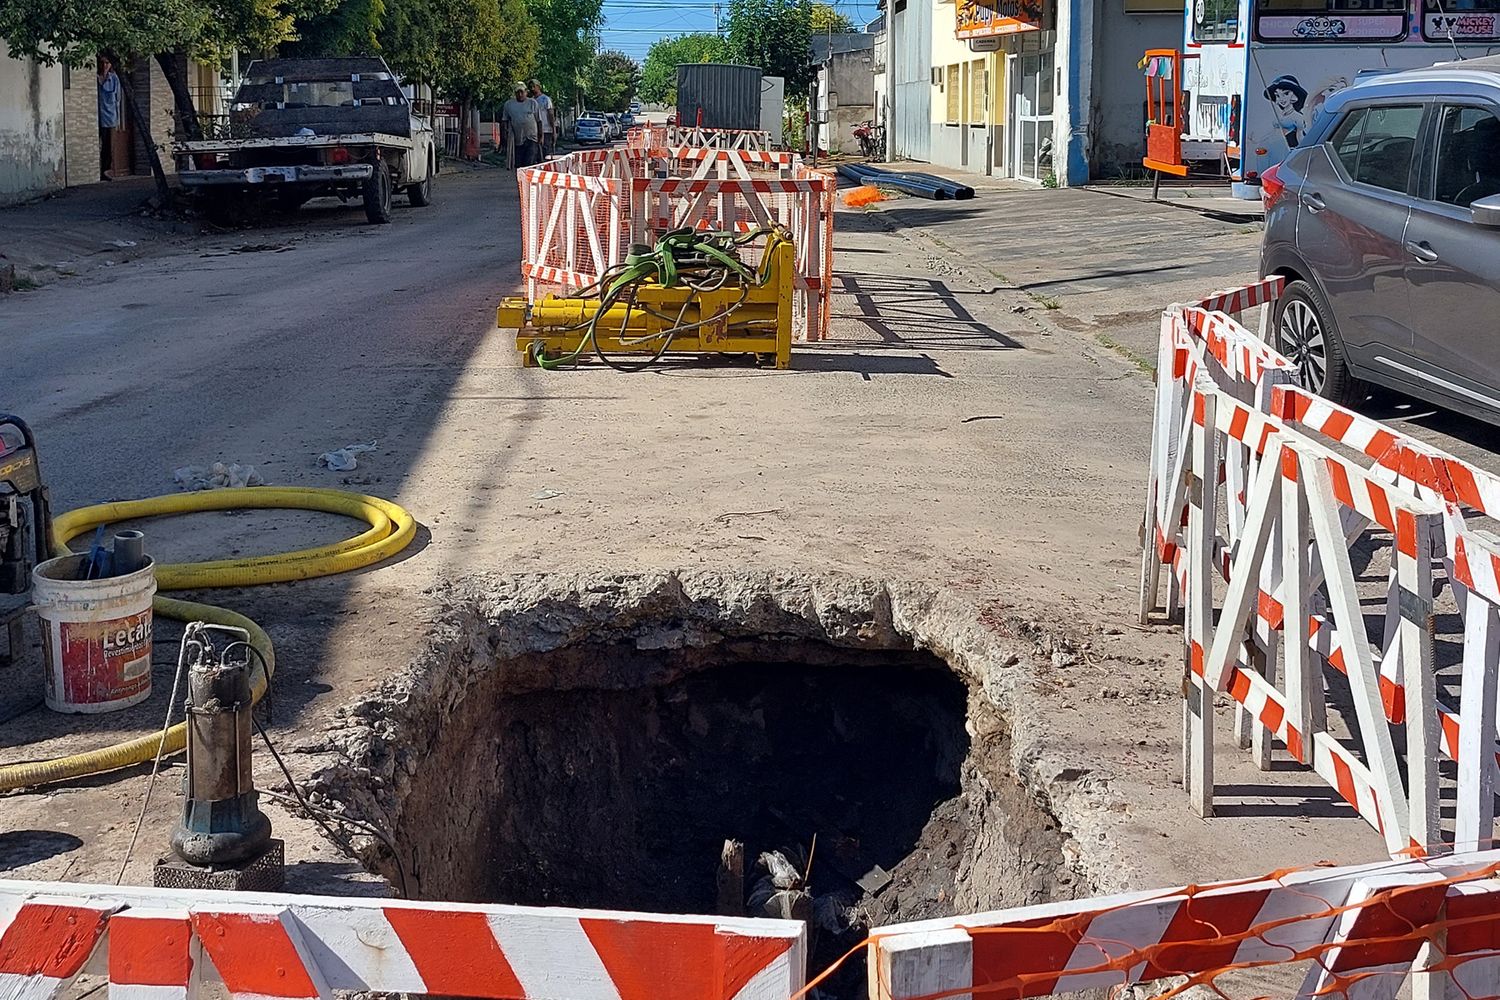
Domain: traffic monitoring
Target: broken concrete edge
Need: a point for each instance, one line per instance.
(377, 739)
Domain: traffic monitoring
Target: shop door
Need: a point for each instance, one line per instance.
(1031, 125)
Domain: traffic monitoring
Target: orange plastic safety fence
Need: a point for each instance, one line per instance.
(1380, 935)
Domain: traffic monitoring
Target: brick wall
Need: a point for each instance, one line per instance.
(81, 114)
(162, 124)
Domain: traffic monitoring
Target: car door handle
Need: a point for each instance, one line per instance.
(1422, 251)
(1314, 202)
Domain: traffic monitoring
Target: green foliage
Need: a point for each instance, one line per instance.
(468, 50)
(825, 18)
(73, 31)
(485, 47)
(338, 28)
(565, 30)
(659, 71)
(408, 39)
(611, 81)
(775, 35)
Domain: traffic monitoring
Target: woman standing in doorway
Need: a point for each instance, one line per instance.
(109, 114)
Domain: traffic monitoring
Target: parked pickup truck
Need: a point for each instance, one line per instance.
(301, 128)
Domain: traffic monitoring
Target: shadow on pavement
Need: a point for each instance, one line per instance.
(916, 313)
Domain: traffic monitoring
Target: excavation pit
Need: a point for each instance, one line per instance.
(609, 750)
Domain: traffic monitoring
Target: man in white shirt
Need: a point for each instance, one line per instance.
(548, 117)
(523, 121)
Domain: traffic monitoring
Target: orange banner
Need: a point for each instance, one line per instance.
(987, 18)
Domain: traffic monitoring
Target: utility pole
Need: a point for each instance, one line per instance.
(892, 80)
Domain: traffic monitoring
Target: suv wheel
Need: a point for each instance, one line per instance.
(1305, 334)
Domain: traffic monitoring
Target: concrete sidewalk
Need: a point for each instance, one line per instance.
(81, 229)
(1096, 262)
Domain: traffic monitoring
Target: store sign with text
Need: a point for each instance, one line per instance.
(989, 18)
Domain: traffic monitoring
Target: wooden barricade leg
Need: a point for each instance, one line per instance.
(1198, 696)
(1304, 674)
(1474, 824)
(1413, 571)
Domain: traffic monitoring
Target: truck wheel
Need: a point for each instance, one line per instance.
(377, 191)
(421, 194)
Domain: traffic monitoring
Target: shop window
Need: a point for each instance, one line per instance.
(978, 92)
(954, 94)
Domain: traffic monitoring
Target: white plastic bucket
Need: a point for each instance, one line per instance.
(96, 635)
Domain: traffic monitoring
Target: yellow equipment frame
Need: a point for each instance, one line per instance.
(761, 323)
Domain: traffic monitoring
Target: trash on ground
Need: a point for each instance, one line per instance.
(217, 476)
(546, 495)
(343, 459)
(122, 244)
(250, 248)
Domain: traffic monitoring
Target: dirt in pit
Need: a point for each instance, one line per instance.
(881, 765)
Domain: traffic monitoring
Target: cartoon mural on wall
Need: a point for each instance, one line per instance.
(1260, 91)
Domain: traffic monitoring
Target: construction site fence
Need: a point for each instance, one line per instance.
(162, 944)
(648, 136)
(581, 213)
(1306, 548)
(1425, 928)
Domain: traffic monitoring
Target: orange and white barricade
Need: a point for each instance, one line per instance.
(1297, 484)
(161, 944)
(1359, 933)
(801, 204)
(574, 226)
(718, 138)
(581, 212)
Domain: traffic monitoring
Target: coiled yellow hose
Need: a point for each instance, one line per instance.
(391, 530)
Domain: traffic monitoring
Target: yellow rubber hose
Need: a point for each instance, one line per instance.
(391, 530)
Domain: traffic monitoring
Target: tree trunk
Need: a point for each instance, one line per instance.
(174, 67)
(468, 144)
(143, 129)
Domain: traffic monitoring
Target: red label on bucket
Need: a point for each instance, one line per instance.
(105, 661)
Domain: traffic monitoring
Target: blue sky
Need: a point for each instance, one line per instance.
(632, 25)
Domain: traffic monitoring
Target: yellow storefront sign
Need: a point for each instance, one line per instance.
(987, 18)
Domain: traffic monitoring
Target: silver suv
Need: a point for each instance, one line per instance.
(1386, 222)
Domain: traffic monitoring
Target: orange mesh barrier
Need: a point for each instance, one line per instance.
(1357, 932)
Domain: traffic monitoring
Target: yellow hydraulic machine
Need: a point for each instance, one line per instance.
(690, 294)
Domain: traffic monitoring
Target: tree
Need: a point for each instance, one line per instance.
(775, 35)
(826, 19)
(174, 31)
(659, 71)
(339, 28)
(565, 33)
(611, 81)
(485, 47)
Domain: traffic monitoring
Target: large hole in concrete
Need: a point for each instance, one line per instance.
(612, 773)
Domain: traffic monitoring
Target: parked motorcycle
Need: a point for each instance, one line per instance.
(871, 138)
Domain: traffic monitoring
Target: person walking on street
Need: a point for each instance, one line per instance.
(523, 122)
(109, 115)
(548, 115)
